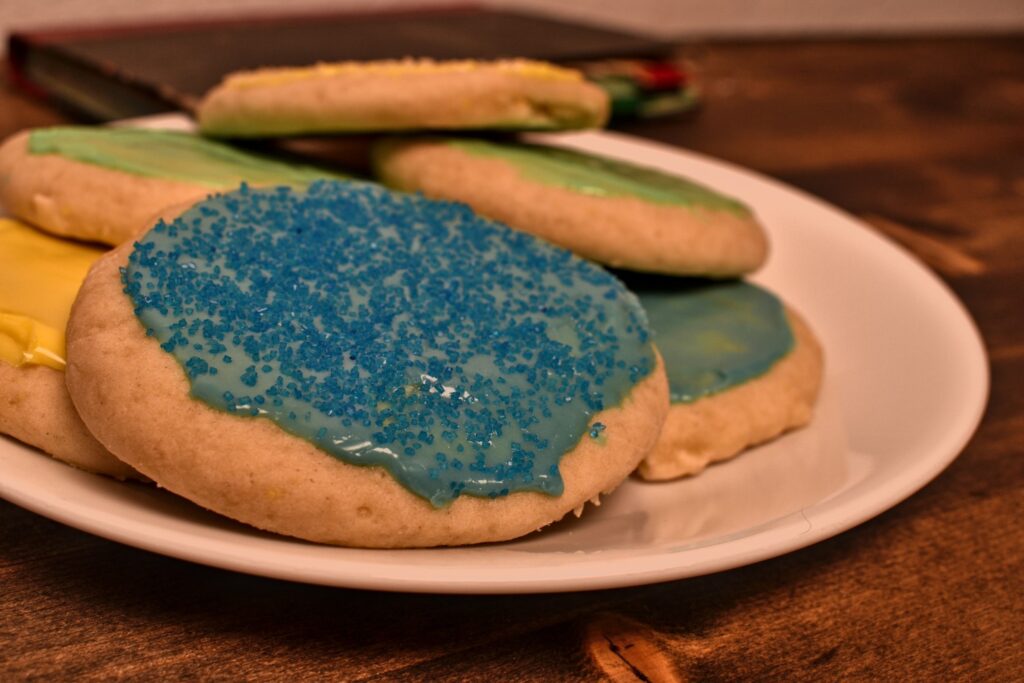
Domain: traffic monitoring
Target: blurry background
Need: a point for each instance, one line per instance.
(664, 18)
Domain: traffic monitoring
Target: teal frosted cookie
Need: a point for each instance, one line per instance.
(606, 210)
(355, 366)
(106, 184)
(742, 369)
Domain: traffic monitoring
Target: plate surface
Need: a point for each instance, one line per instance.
(905, 386)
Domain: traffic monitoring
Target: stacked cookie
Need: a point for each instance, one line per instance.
(326, 358)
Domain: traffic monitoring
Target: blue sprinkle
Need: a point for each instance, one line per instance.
(249, 377)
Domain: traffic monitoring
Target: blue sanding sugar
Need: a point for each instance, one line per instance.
(392, 330)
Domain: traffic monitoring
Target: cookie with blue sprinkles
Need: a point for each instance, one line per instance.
(613, 212)
(359, 367)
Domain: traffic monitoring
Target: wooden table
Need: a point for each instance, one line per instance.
(924, 139)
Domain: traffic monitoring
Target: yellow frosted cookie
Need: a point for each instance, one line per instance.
(106, 184)
(411, 94)
(39, 277)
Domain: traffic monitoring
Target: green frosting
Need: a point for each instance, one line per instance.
(714, 336)
(598, 176)
(169, 155)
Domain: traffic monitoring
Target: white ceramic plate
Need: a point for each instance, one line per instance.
(906, 382)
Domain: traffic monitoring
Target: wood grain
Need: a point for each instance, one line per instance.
(922, 138)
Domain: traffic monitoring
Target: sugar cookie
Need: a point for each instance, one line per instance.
(402, 95)
(105, 184)
(606, 210)
(39, 278)
(742, 367)
(360, 367)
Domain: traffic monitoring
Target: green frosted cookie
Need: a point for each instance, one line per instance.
(606, 210)
(105, 184)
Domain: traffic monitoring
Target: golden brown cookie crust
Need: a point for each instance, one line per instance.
(35, 408)
(401, 95)
(720, 426)
(83, 201)
(622, 232)
(253, 471)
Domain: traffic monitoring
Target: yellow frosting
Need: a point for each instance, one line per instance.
(402, 67)
(39, 279)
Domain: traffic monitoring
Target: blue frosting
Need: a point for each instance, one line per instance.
(391, 330)
(712, 335)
